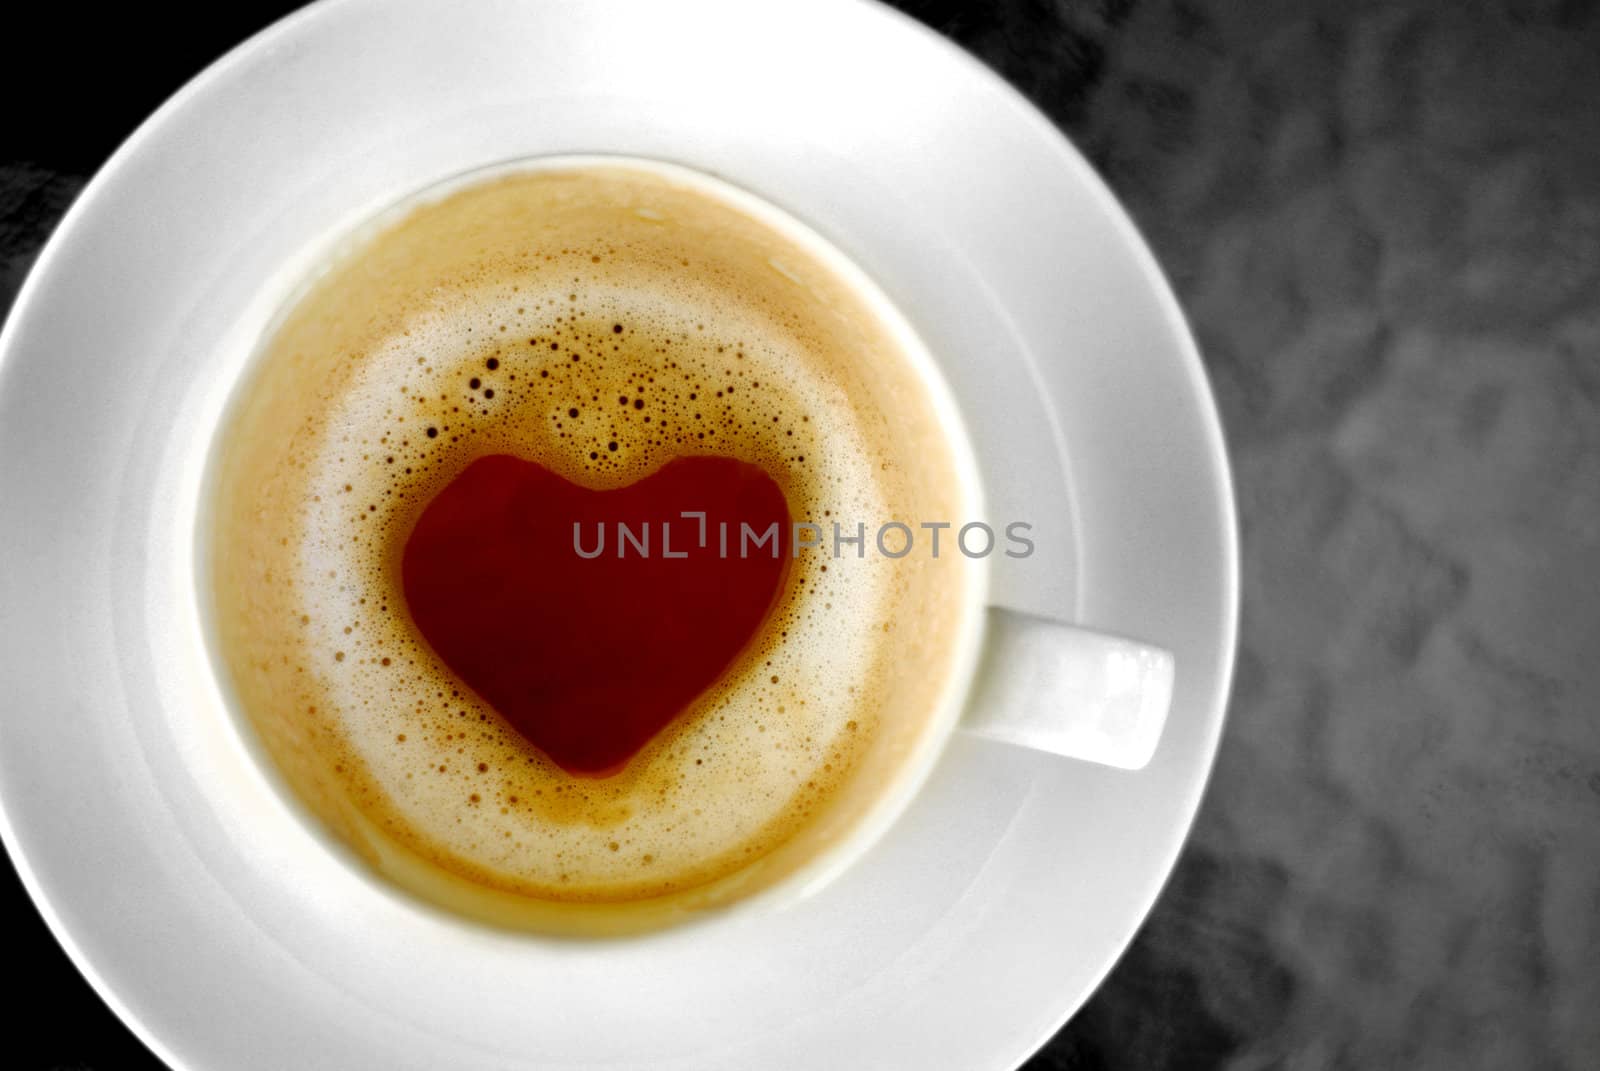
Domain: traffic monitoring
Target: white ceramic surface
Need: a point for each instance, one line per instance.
(162, 855)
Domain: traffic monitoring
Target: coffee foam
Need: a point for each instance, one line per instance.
(599, 321)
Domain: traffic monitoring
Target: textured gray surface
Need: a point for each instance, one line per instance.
(1384, 221)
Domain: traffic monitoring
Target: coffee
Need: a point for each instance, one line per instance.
(402, 490)
(589, 659)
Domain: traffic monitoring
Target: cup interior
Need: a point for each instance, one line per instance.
(390, 868)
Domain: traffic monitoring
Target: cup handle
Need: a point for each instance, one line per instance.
(1052, 687)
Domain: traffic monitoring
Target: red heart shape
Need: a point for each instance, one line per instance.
(589, 658)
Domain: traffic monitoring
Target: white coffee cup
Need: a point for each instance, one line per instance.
(1015, 677)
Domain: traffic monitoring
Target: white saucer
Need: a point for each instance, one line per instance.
(192, 894)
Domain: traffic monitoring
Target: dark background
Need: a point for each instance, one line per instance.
(1384, 222)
